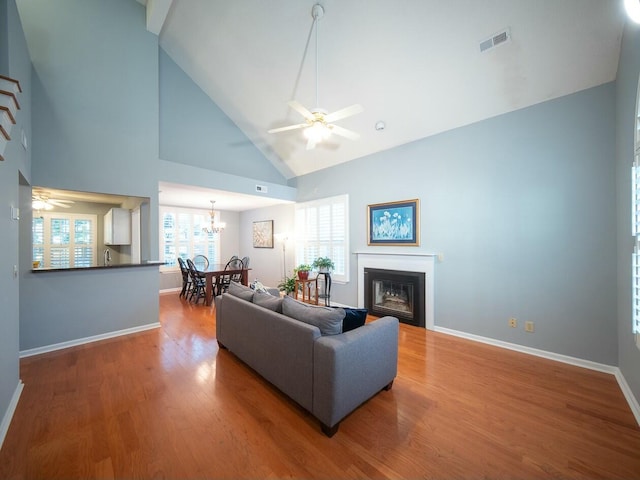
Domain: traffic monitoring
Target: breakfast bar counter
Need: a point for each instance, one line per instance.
(149, 263)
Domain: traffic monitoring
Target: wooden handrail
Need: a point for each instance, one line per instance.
(9, 79)
(12, 96)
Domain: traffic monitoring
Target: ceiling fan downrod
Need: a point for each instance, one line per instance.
(317, 12)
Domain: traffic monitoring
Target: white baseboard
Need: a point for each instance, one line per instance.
(579, 362)
(170, 290)
(8, 415)
(82, 341)
(628, 394)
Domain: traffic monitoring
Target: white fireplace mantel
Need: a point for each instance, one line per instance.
(410, 262)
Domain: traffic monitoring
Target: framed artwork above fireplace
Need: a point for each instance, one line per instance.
(394, 223)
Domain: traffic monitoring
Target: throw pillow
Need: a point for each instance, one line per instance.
(267, 300)
(240, 291)
(353, 318)
(258, 287)
(328, 320)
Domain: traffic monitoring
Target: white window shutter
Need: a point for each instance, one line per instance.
(321, 231)
(182, 235)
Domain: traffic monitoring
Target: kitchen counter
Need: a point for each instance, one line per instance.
(148, 263)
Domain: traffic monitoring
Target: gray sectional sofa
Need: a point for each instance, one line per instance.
(329, 375)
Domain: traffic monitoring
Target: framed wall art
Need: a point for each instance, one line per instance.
(263, 234)
(394, 223)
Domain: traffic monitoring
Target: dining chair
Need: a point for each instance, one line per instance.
(223, 281)
(186, 278)
(201, 262)
(198, 283)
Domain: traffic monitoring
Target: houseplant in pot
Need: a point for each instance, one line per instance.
(287, 285)
(323, 264)
(303, 271)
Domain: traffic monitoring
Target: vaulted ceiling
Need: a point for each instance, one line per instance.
(415, 65)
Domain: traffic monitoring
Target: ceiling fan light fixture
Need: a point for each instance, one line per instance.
(633, 9)
(41, 205)
(319, 125)
(317, 132)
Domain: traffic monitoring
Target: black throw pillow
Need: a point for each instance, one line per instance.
(353, 318)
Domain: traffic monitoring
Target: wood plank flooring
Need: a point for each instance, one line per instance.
(167, 403)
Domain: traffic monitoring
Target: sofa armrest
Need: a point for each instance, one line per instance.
(352, 367)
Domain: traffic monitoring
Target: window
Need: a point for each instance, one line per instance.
(322, 230)
(182, 235)
(635, 222)
(64, 240)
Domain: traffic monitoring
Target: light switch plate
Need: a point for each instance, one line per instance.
(15, 213)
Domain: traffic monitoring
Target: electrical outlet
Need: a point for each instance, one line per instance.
(513, 323)
(528, 327)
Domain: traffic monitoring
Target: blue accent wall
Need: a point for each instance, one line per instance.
(95, 85)
(95, 129)
(14, 63)
(523, 208)
(98, 117)
(626, 91)
(195, 132)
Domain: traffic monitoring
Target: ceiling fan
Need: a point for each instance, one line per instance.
(318, 123)
(42, 201)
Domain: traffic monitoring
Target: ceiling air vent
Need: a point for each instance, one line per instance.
(496, 39)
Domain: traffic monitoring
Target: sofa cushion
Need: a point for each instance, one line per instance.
(353, 318)
(240, 291)
(269, 301)
(327, 319)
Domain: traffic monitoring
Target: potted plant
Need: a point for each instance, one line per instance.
(323, 264)
(287, 285)
(303, 271)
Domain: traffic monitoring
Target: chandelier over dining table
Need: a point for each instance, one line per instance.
(214, 225)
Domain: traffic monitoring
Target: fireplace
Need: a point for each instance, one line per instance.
(396, 293)
(412, 262)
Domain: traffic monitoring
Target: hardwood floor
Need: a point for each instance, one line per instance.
(167, 403)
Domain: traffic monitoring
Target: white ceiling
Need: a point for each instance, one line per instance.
(414, 64)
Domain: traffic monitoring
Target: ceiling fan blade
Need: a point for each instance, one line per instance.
(290, 127)
(343, 132)
(301, 109)
(343, 113)
(60, 203)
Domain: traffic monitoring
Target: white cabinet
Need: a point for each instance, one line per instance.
(117, 227)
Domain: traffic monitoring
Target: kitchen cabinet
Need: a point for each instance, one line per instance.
(117, 227)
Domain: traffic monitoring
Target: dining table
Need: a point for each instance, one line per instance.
(213, 271)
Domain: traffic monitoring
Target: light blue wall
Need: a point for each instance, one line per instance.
(194, 131)
(95, 124)
(4, 37)
(523, 208)
(14, 63)
(96, 89)
(626, 89)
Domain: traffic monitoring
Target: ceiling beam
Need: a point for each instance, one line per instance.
(157, 11)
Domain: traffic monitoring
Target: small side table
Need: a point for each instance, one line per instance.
(326, 292)
(305, 286)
